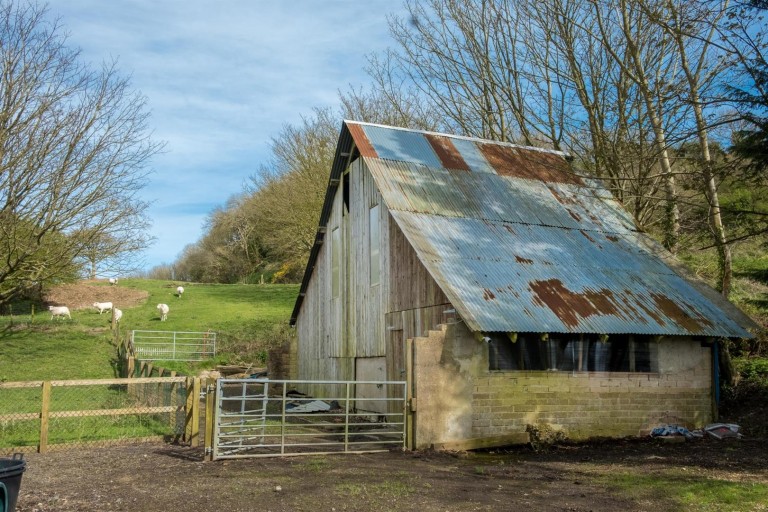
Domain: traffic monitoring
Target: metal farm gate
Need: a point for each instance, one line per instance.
(174, 345)
(268, 418)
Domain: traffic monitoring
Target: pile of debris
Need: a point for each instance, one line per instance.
(677, 433)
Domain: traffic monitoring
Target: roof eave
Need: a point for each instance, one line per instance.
(343, 152)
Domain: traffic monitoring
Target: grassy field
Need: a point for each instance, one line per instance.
(251, 318)
(248, 320)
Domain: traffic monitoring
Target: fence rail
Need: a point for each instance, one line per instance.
(45, 415)
(173, 345)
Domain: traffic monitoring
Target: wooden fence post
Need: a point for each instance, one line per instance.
(409, 398)
(45, 410)
(171, 399)
(210, 404)
(193, 412)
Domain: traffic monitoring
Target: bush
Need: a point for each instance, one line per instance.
(744, 402)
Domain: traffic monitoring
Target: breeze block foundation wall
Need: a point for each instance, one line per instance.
(458, 398)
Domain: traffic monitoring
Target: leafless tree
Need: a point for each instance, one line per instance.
(692, 27)
(74, 146)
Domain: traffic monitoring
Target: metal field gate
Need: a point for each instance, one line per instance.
(268, 418)
(174, 345)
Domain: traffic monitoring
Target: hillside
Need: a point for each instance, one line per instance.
(249, 319)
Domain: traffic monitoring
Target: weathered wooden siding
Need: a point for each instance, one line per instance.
(365, 320)
(367, 305)
(411, 285)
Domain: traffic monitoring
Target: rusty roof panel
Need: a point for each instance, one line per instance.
(528, 163)
(361, 141)
(525, 278)
(447, 153)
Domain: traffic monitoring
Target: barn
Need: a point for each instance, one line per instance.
(513, 295)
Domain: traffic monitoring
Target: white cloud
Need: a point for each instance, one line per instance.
(222, 79)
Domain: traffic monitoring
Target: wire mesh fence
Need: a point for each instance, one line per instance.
(46, 415)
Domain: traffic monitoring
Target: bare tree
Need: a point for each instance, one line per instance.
(601, 122)
(465, 58)
(73, 149)
(692, 26)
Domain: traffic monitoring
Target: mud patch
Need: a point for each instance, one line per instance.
(83, 294)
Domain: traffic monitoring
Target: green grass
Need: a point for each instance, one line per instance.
(690, 492)
(376, 491)
(248, 320)
(66, 401)
(20, 433)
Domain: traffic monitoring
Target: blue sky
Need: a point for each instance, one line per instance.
(222, 78)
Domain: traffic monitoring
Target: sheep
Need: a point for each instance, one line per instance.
(118, 315)
(102, 306)
(59, 311)
(179, 291)
(163, 309)
(113, 281)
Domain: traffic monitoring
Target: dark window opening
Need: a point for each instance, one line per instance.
(573, 353)
(345, 192)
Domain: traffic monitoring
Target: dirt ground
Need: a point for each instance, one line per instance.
(82, 295)
(159, 477)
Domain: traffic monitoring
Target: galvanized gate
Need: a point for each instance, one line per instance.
(269, 418)
(174, 345)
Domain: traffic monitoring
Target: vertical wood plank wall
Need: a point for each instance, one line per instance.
(378, 318)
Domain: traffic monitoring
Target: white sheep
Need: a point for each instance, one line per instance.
(118, 315)
(102, 306)
(61, 311)
(163, 309)
(179, 291)
(113, 280)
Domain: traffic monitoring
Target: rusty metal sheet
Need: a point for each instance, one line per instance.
(364, 145)
(447, 153)
(528, 163)
(528, 278)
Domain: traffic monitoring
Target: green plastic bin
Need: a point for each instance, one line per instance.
(11, 471)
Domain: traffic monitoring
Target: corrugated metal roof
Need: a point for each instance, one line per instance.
(521, 243)
(520, 255)
(421, 189)
(528, 278)
(444, 151)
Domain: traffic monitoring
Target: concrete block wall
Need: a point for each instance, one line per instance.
(459, 398)
(588, 405)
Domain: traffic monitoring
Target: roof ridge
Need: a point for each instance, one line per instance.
(461, 137)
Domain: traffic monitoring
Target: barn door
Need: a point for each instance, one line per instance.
(371, 397)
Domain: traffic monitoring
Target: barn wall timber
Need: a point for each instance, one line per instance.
(333, 331)
(415, 303)
(458, 398)
(411, 285)
(366, 307)
(323, 351)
